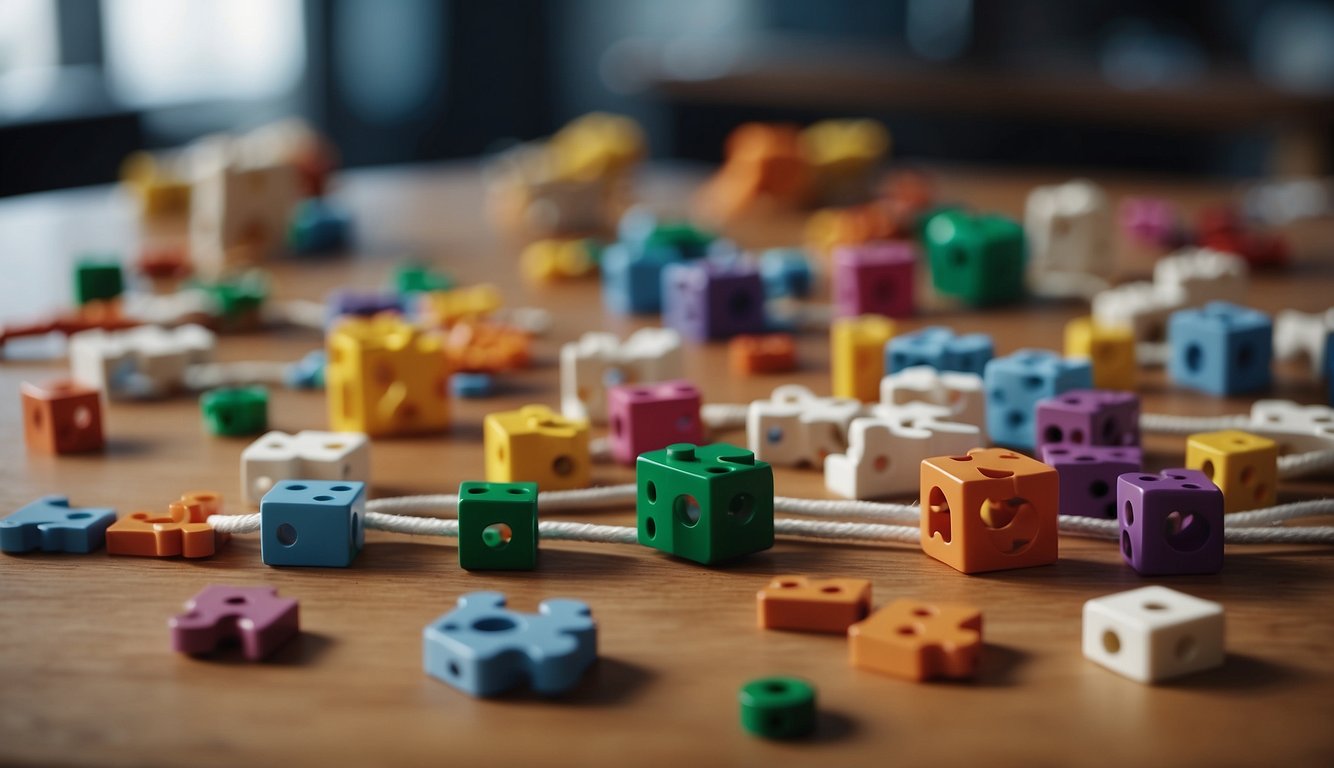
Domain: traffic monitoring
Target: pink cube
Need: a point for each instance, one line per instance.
(649, 417)
(874, 279)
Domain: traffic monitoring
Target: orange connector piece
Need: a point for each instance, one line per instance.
(813, 605)
(919, 641)
(479, 347)
(184, 531)
(770, 353)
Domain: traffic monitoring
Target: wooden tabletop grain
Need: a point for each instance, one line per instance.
(87, 675)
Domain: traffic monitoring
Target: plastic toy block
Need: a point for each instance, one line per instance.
(1153, 634)
(278, 456)
(1138, 307)
(778, 707)
(498, 526)
(472, 386)
(147, 361)
(632, 279)
(1304, 334)
(599, 361)
(647, 417)
(705, 503)
(878, 220)
(794, 427)
(1017, 383)
(168, 262)
(1261, 250)
(253, 616)
(184, 531)
(787, 272)
(537, 445)
(1242, 465)
(308, 372)
(813, 605)
(345, 303)
(473, 346)
(939, 348)
(1221, 349)
(483, 649)
(856, 348)
(989, 510)
(1192, 277)
(764, 169)
(442, 309)
(52, 525)
(885, 452)
(1151, 221)
(1171, 523)
(978, 259)
(97, 280)
(386, 377)
(770, 353)
(1069, 230)
(705, 300)
(1088, 476)
(312, 522)
(235, 410)
(558, 259)
(960, 394)
(1296, 428)
(61, 417)
(240, 207)
(919, 641)
(874, 279)
(1088, 417)
(1110, 352)
(319, 227)
(419, 278)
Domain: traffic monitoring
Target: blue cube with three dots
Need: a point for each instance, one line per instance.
(312, 522)
(1220, 348)
(1015, 383)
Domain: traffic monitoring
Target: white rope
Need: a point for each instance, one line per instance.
(210, 375)
(831, 530)
(1185, 425)
(1152, 354)
(1309, 463)
(1283, 512)
(299, 312)
(843, 509)
(719, 416)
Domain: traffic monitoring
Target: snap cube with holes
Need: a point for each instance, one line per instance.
(278, 456)
(1069, 229)
(705, 503)
(813, 605)
(537, 445)
(786, 272)
(498, 526)
(231, 411)
(918, 641)
(1089, 417)
(599, 361)
(1110, 351)
(795, 427)
(386, 377)
(989, 510)
(50, 524)
(778, 707)
(97, 280)
(874, 279)
(255, 616)
(312, 522)
(1088, 476)
(1151, 221)
(748, 355)
(1153, 634)
(856, 346)
(960, 394)
(885, 452)
(1171, 523)
(978, 259)
(1221, 348)
(1242, 465)
(1296, 428)
(61, 417)
(632, 278)
(940, 348)
(646, 417)
(1015, 385)
(706, 300)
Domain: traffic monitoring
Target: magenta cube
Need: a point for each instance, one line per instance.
(650, 417)
(1088, 417)
(874, 278)
(708, 299)
(1171, 523)
(1152, 221)
(1088, 476)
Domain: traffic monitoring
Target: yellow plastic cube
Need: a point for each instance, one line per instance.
(386, 377)
(445, 308)
(1242, 465)
(1111, 352)
(857, 351)
(537, 445)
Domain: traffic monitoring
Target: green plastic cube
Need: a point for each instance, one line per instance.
(681, 237)
(233, 411)
(238, 297)
(705, 503)
(977, 259)
(778, 707)
(417, 278)
(498, 526)
(97, 280)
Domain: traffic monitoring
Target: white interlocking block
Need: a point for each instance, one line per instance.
(824, 425)
(1192, 277)
(148, 361)
(599, 361)
(1153, 633)
(962, 393)
(796, 427)
(241, 203)
(1069, 230)
(307, 455)
(1303, 333)
(885, 453)
(1296, 428)
(1137, 306)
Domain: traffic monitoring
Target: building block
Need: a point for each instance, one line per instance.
(483, 648)
(442, 309)
(938, 347)
(254, 616)
(705, 300)
(632, 279)
(1192, 277)
(989, 510)
(348, 302)
(240, 208)
(764, 169)
(705, 503)
(977, 259)
(787, 272)
(415, 277)
(498, 526)
(184, 531)
(97, 280)
(61, 417)
(472, 386)
(771, 353)
(778, 707)
(1088, 475)
(919, 641)
(1138, 307)
(147, 361)
(844, 156)
(874, 279)
(479, 347)
(646, 417)
(559, 259)
(318, 226)
(1152, 634)
(813, 605)
(278, 456)
(1109, 350)
(308, 372)
(386, 377)
(1171, 523)
(312, 522)
(52, 525)
(599, 361)
(1151, 221)
(1242, 465)
(536, 444)
(1017, 383)
(1088, 417)
(1222, 349)
(856, 349)
(1304, 334)
(885, 452)
(794, 427)
(961, 394)
(1069, 230)
(235, 410)
(1296, 428)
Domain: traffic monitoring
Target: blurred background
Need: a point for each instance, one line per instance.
(1231, 88)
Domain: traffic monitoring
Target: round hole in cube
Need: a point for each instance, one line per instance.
(562, 466)
(651, 491)
(286, 534)
(494, 624)
(687, 510)
(1111, 642)
(497, 535)
(650, 527)
(741, 508)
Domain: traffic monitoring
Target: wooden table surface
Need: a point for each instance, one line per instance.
(87, 674)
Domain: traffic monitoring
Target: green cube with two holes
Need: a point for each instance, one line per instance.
(97, 279)
(232, 411)
(498, 526)
(978, 259)
(705, 503)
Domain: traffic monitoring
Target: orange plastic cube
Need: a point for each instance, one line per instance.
(61, 417)
(770, 353)
(183, 531)
(813, 605)
(919, 641)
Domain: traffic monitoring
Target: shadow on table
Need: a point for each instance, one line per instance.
(304, 649)
(1239, 672)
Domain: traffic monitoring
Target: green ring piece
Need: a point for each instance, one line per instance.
(778, 707)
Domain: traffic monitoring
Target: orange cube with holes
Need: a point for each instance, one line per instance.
(770, 353)
(813, 605)
(184, 530)
(919, 641)
(990, 510)
(61, 417)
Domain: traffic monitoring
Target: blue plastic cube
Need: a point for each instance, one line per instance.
(472, 386)
(938, 347)
(632, 280)
(1221, 348)
(312, 522)
(786, 272)
(319, 227)
(1017, 382)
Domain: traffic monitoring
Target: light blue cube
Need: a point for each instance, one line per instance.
(632, 279)
(787, 273)
(939, 347)
(52, 525)
(312, 522)
(1015, 383)
(1221, 348)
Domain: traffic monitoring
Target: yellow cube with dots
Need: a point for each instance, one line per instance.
(385, 376)
(1242, 465)
(536, 445)
(857, 352)
(1111, 352)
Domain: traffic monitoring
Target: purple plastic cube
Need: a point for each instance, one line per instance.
(255, 616)
(1171, 523)
(1088, 476)
(1089, 417)
(361, 303)
(875, 279)
(713, 300)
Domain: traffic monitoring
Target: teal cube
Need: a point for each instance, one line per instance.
(976, 259)
(97, 280)
(232, 411)
(498, 526)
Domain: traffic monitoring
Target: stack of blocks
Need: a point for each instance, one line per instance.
(1171, 523)
(312, 523)
(977, 259)
(535, 444)
(1015, 384)
(652, 416)
(856, 348)
(1222, 349)
(386, 377)
(939, 348)
(874, 279)
(706, 300)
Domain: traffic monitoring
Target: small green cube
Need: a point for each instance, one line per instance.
(232, 411)
(498, 526)
(418, 278)
(977, 259)
(681, 237)
(778, 707)
(97, 280)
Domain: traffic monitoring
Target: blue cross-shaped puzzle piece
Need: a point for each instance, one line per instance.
(51, 525)
(483, 648)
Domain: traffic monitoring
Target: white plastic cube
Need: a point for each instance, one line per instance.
(312, 455)
(1153, 633)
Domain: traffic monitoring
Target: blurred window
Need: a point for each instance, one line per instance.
(29, 53)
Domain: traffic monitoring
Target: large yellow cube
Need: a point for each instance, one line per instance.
(537, 445)
(1111, 351)
(1242, 465)
(857, 352)
(385, 376)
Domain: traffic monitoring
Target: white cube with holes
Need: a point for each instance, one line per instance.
(599, 361)
(1192, 277)
(1153, 634)
(1296, 428)
(309, 454)
(796, 427)
(1069, 230)
(885, 452)
(1139, 306)
(962, 393)
(1303, 334)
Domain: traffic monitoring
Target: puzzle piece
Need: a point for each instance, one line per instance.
(183, 531)
(795, 427)
(483, 648)
(52, 525)
(813, 605)
(255, 616)
(961, 394)
(1192, 277)
(919, 641)
(1296, 428)
(1303, 333)
(885, 452)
